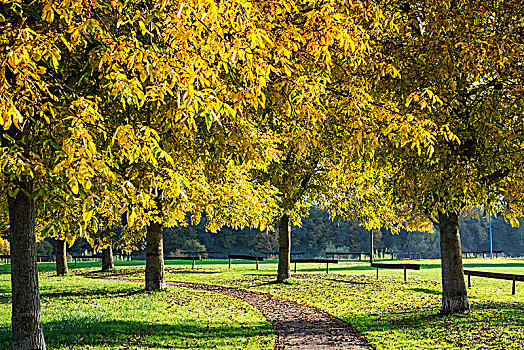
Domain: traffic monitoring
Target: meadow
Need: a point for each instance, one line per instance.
(82, 312)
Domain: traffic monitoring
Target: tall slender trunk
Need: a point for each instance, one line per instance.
(107, 259)
(454, 294)
(155, 278)
(284, 250)
(371, 248)
(61, 257)
(27, 326)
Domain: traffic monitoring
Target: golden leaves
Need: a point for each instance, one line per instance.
(191, 102)
(47, 11)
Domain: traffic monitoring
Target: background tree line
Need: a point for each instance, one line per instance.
(318, 234)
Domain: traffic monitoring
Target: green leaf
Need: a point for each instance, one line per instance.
(209, 121)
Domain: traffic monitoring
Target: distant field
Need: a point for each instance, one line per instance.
(393, 314)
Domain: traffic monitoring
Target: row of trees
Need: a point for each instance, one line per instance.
(130, 115)
(319, 233)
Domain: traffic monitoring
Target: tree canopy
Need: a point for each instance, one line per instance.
(135, 114)
(458, 67)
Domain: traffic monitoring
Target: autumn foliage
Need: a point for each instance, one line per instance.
(131, 115)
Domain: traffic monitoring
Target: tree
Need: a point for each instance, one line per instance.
(61, 257)
(317, 104)
(37, 109)
(181, 238)
(4, 246)
(455, 66)
(107, 258)
(187, 100)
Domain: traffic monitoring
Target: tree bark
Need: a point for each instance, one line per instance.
(371, 248)
(454, 294)
(155, 278)
(107, 259)
(61, 257)
(284, 250)
(27, 326)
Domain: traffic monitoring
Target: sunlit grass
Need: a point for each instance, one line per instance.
(80, 313)
(392, 313)
(395, 314)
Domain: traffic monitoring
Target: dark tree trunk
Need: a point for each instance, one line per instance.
(107, 259)
(284, 250)
(26, 316)
(371, 248)
(61, 257)
(454, 294)
(155, 279)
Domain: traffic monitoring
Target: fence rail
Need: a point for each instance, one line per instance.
(495, 275)
(406, 267)
(321, 261)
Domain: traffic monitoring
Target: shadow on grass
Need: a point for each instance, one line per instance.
(5, 269)
(112, 273)
(90, 293)
(192, 271)
(436, 292)
(427, 291)
(5, 294)
(494, 314)
(288, 282)
(49, 292)
(347, 281)
(78, 331)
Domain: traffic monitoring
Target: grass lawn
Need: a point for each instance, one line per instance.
(81, 313)
(392, 313)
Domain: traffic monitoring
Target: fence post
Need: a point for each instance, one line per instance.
(405, 274)
(193, 263)
(469, 280)
(229, 262)
(327, 267)
(377, 273)
(295, 267)
(257, 263)
(514, 287)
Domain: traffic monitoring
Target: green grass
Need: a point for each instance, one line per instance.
(80, 313)
(393, 314)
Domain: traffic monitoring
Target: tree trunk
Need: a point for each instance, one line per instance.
(454, 294)
(107, 259)
(26, 316)
(371, 248)
(61, 257)
(155, 279)
(284, 250)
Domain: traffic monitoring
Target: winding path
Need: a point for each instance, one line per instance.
(297, 326)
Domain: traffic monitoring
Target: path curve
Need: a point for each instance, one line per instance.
(297, 326)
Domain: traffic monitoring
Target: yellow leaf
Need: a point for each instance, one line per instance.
(87, 215)
(91, 146)
(131, 219)
(352, 45)
(74, 186)
(142, 27)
